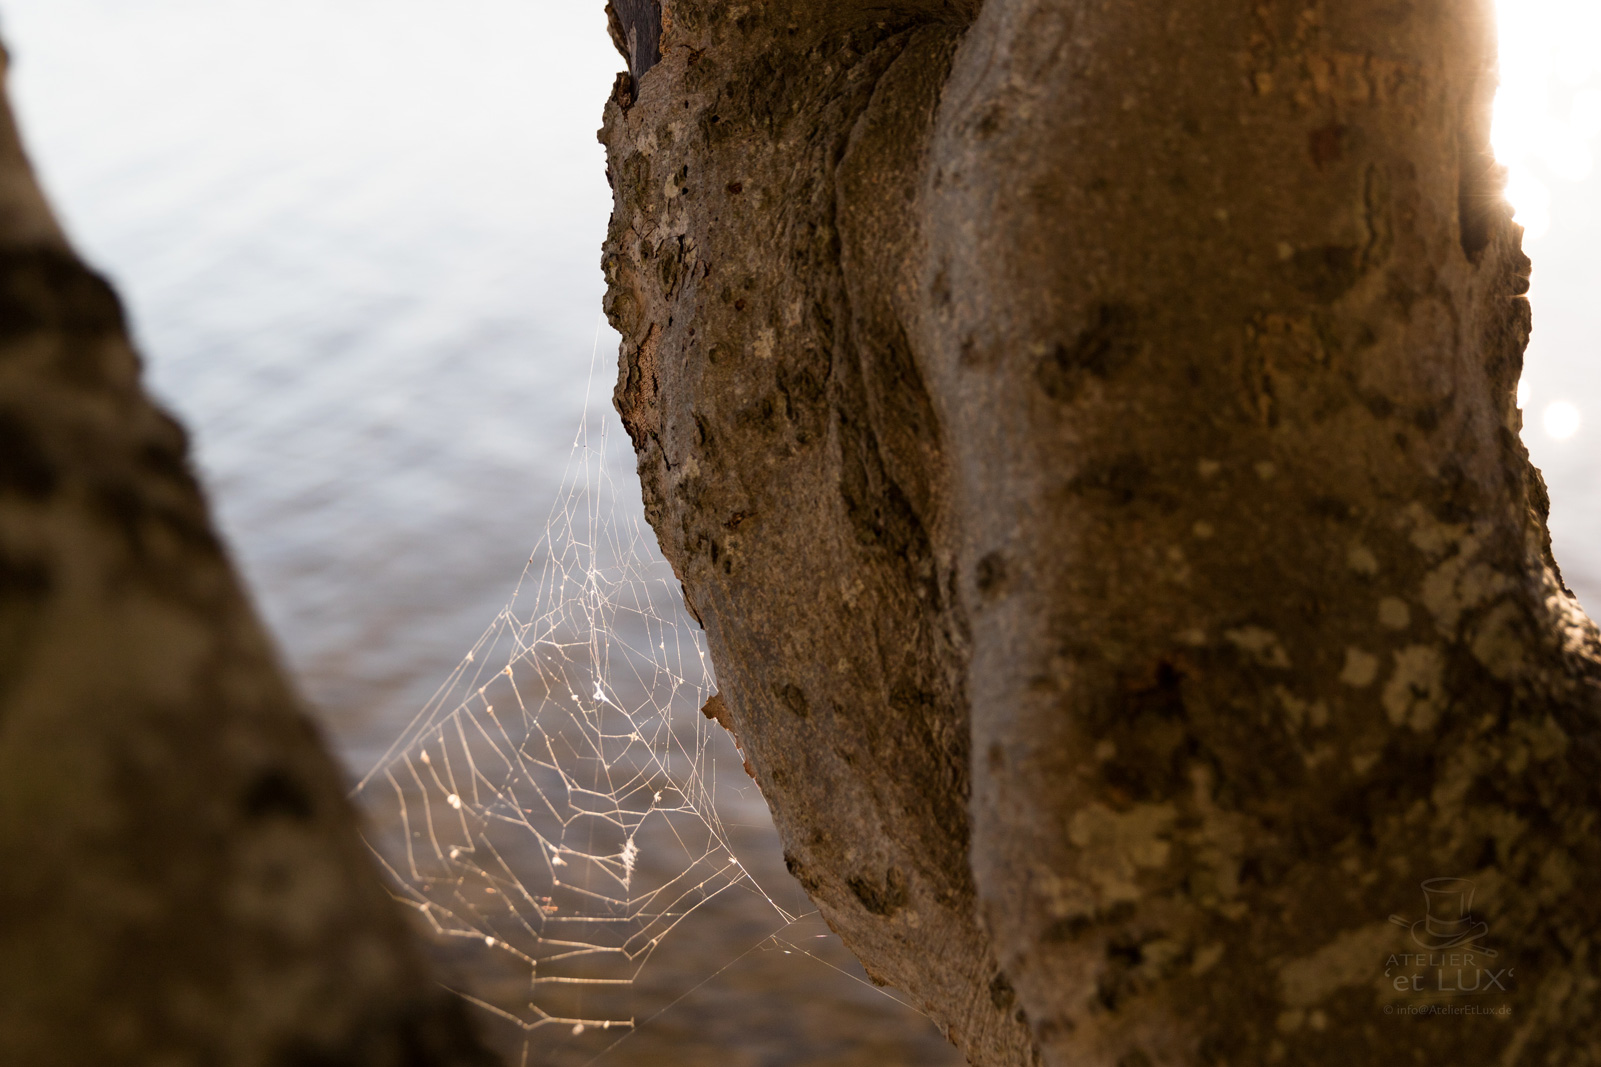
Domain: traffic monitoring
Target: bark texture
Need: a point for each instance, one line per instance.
(1087, 434)
(792, 464)
(181, 879)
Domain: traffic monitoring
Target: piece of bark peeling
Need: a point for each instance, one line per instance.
(717, 711)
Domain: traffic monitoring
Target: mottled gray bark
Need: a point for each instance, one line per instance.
(1087, 434)
(181, 879)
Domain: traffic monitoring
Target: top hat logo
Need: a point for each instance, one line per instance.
(1449, 921)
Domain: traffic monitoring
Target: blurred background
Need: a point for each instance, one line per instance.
(1547, 122)
(360, 243)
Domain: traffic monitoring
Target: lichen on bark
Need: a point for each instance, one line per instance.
(1087, 434)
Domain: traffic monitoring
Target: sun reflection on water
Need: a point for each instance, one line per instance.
(1548, 109)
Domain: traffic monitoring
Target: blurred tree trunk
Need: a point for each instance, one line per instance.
(181, 879)
(1087, 434)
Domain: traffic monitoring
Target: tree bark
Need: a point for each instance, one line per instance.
(1087, 433)
(181, 879)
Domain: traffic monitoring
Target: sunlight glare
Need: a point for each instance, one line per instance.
(1561, 420)
(1547, 51)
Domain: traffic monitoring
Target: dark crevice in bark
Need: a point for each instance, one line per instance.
(636, 30)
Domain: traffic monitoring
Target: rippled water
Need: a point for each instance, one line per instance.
(360, 244)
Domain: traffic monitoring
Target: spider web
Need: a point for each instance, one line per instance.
(554, 804)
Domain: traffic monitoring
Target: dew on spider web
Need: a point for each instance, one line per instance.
(552, 816)
(567, 835)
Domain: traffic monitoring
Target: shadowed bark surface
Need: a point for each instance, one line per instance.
(792, 465)
(181, 880)
(636, 30)
(1087, 434)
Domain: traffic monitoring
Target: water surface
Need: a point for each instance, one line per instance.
(360, 244)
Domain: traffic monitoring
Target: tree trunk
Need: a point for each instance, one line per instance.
(181, 879)
(1087, 434)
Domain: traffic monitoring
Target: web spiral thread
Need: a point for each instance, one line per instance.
(554, 803)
